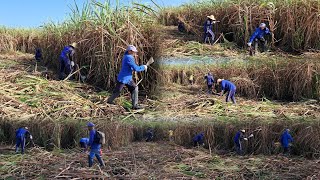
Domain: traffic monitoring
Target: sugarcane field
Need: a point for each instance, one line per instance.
(151, 89)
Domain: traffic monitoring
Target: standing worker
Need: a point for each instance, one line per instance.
(191, 79)
(258, 37)
(38, 55)
(237, 141)
(208, 29)
(95, 146)
(67, 60)
(286, 139)
(21, 135)
(227, 86)
(125, 77)
(210, 81)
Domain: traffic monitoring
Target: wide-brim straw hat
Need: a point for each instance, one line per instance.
(211, 17)
(74, 44)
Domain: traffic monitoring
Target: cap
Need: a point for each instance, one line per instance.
(242, 130)
(132, 48)
(90, 124)
(219, 80)
(263, 25)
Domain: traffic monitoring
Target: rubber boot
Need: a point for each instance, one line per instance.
(113, 97)
(134, 98)
(90, 161)
(100, 160)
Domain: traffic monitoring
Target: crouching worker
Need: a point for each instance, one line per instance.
(67, 61)
(238, 138)
(95, 141)
(258, 37)
(286, 139)
(198, 140)
(227, 86)
(21, 135)
(125, 77)
(84, 144)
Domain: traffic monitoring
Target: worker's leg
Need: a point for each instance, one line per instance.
(68, 68)
(98, 156)
(238, 148)
(61, 70)
(18, 144)
(232, 96)
(285, 150)
(256, 44)
(228, 96)
(23, 143)
(90, 157)
(133, 88)
(116, 92)
(210, 89)
(263, 44)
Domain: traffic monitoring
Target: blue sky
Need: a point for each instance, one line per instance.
(33, 13)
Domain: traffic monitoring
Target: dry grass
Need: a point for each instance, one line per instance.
(156, 161)
(295, 24)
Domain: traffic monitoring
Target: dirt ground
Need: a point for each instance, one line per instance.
(160, 160)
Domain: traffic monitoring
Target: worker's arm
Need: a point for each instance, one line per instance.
(290, 138)
(134, 66)
(254, 35)
(267, 31)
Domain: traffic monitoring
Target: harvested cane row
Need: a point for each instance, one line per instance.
(295, 24)
(158, 161)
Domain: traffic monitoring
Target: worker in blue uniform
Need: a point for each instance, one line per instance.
(238, 138)
(208, 29)
(210, 81)
(286, 139)
(258, 37)
(230, 88)
(198, 139)
(84, 144)
(67, 58)
(21, 135)
(125, 77)
(95, 146)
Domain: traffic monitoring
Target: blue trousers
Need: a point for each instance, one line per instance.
(20, 142)
(239, 148)
(95, 153)
(231, 95)
(65, 68)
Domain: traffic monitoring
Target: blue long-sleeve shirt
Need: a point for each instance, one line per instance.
(259, 33)
(238, 137)
(92, 144)
(198, 137)
(210, 79)
(208, 25)
(127, 67)
(286, 138)
(227, 86)
(67, 53)
(22, 133)
(84, 140)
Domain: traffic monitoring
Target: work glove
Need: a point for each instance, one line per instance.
(72, 63)
(249, 44)
(251, 135)
(30, 136)
(246, 139)
(145, 67)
